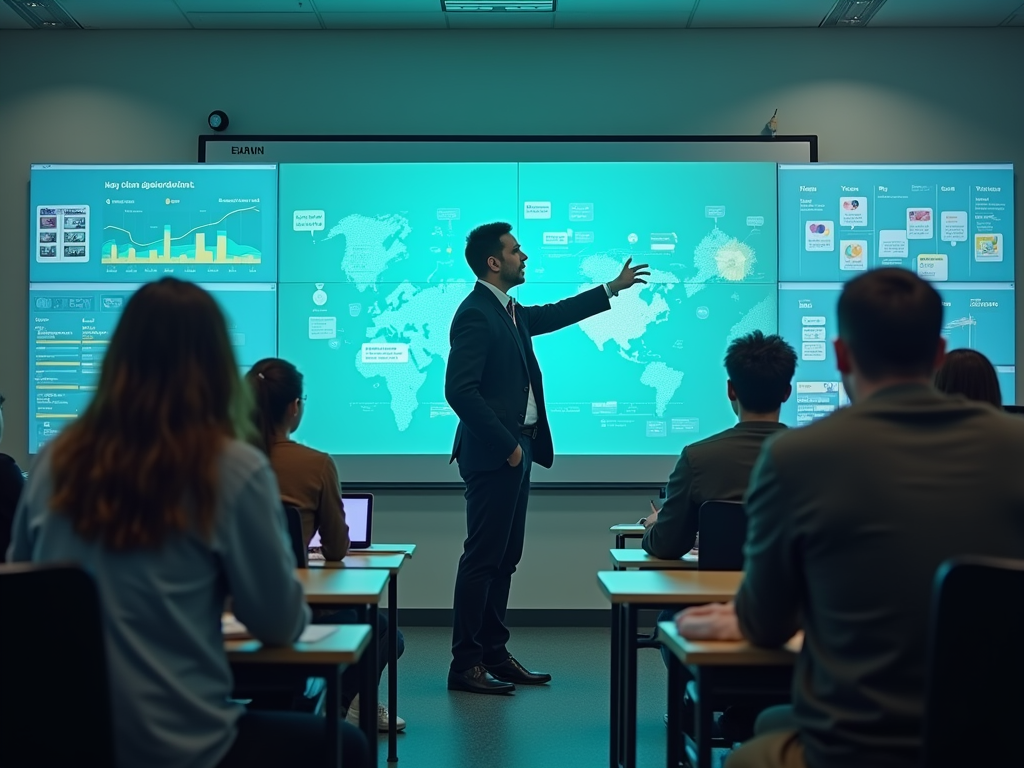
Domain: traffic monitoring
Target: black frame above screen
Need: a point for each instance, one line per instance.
(570, 472)
(211, 147)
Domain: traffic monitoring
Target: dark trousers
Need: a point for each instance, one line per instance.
(495, 528)
(273, 739)
(350, 677)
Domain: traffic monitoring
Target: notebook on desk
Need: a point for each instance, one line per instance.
(359, 516)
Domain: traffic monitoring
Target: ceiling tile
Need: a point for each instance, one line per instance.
(492, 20)
(757, 13)
(241, 6)
(625, 7)
(622, 20)
(126, 14)
(943, 13)
(10, 20)
(378, 6)
(254, 20)
(383, 20)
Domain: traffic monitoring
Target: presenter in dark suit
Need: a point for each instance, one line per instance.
(494, 385)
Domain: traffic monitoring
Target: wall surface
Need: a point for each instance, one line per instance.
(109, 97)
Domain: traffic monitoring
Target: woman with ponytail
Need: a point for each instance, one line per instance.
(309, 481)
(308, 478)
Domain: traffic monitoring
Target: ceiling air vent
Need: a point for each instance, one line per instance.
(852, 13)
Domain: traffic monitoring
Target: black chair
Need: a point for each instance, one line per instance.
(42, 664)
(975, 691)
(293, 518)
(723, 531)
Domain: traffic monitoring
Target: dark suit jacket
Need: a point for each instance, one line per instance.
(848, 520)
(716, 468)
(490, 368)
(11, 485)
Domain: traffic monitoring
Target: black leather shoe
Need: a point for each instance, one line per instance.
(476, 680)
(511, 671)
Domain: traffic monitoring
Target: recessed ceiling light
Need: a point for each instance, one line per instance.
(490, 6)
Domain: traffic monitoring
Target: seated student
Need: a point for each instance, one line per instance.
(11, 484)
(308, 480)
(969, 373)
(760, 370)
(154, 493)
(849, 519)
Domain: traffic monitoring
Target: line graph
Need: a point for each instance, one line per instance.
(180, 237)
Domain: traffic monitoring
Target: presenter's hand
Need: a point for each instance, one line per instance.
(516, 458)
(630, 276)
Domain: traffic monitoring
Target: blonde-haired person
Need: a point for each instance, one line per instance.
(156, 494)
(308, 481)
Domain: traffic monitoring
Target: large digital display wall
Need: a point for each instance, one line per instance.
(353, 271)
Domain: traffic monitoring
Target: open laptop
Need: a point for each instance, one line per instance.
(359, 516)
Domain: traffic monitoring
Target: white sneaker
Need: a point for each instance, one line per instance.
(383, 716)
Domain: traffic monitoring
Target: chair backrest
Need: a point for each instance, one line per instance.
(723, 531)
(52, 653)
(975, 690)
(293, 518)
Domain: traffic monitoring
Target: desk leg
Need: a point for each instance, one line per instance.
(368, 686)
(620, 541)
(675, 713)
(629, 678)
(704, 712)
(393, 667)
(333, 714)
(614, 758)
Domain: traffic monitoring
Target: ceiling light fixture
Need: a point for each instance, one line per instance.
(851, 13)
(43, 14)
(490, 6)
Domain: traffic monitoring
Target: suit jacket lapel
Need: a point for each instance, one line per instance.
(491, 299)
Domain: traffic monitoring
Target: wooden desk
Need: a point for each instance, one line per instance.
(623, 559)
(726, 672)
(387, 549)
(625, 531)
(392, 563)
(325, 658)
(362, 589)
(628, 591)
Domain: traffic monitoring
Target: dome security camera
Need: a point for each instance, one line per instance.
(218, 120)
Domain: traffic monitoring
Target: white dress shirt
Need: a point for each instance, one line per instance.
(504, 298)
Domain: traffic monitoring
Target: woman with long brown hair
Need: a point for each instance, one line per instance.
(156, 494)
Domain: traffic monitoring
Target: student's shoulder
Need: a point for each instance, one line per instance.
(297, 452)
(240, 462)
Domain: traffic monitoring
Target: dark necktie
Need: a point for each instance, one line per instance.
(511, 312)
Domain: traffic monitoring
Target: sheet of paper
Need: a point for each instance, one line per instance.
(314, 633)
(232, 628)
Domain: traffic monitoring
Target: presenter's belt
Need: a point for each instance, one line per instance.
(530, 431)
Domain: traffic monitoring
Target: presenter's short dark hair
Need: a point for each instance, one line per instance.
(484, 242)
(760, 368)
(891, 320)
(969, 373)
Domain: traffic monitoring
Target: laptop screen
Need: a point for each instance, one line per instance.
(358, 514)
